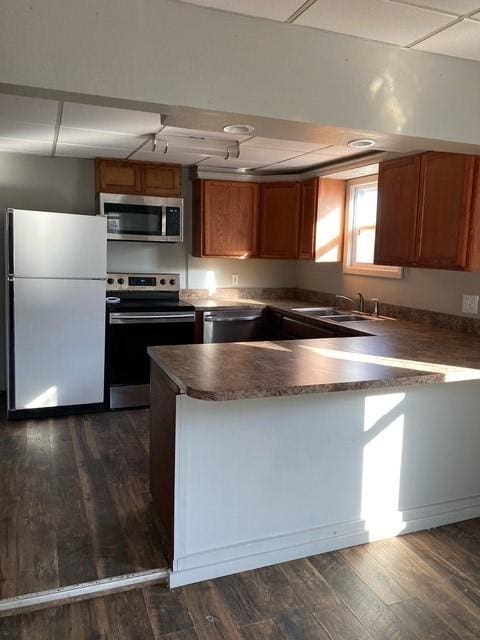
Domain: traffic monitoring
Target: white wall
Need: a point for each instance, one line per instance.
(171, 53)
(435, 290)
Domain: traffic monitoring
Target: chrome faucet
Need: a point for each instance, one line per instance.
(360, 304)
(376, 303)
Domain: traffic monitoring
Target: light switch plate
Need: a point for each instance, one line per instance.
(235, 280)
(470, 304)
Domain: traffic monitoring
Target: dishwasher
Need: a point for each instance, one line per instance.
(242, 325)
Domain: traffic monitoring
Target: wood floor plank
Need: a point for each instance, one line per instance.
(265, 630)
(301, 624)
(375, 616)
(128, 616)
(188, 634)
(167, 610)
(258, 595)
(461, 537)
(416, 577)
(374, 575)
(308, 584)
(205, 606)
(422, 621)
(342, 624)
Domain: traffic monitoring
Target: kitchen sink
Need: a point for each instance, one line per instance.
(319, 311)
(349, 318)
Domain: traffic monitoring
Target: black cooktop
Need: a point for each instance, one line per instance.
(146, 301)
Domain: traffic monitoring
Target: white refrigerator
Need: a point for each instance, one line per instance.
(55, 306)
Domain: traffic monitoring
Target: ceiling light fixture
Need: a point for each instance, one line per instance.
(361, 143)
(239, 129)
(198, 146)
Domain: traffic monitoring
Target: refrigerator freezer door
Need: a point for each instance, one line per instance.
(58, 343)
(57, 245)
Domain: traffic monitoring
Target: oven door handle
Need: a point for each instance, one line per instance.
(133, 318)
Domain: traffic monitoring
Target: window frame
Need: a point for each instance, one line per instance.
(360, 268)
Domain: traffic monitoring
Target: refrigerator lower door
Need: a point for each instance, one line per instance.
(57, 342)
(56, 245)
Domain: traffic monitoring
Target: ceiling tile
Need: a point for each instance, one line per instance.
(83, 151)
(105, 139)
(462, 40)
(25, 146)
(303, 162)
(184, 159)
(26, 131)
(231, 163)
(273, 9)
(373, 19)
(33, 110)
(349, 174)
(287, 145)
(85, 116)
(264, 156)
(457, 7)
(196, 133)
(339, 151)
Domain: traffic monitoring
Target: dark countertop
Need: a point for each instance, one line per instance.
(396, 353)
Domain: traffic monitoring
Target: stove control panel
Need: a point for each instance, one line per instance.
(143, 282)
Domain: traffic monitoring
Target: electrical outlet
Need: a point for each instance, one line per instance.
(470, 304)
(235, 280)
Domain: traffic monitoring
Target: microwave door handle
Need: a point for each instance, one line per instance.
(164, 221)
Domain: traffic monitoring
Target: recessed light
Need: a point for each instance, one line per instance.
(240, 129)
(362, 143)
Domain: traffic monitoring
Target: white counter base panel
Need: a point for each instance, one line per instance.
(263, 481)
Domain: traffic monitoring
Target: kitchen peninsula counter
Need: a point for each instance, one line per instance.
(386, 353)
(255, 460)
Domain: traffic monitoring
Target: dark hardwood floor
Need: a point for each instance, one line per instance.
(74, 507)
(74, 501)
(422, 586)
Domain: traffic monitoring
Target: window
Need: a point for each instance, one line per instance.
(360, 221)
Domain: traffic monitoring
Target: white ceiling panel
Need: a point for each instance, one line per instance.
(273, 9)
(339, 151)
(105, 139)
(301, 162)
(462, 40)
(373, 19)
(184, 159)
(349, 174)
(231, 163)
(286, 145)
(33, 110)
(25, 146)
(26, 131)
(85, 116)
(196, 133)
(457, 7)
(264, 156)
(83, 151)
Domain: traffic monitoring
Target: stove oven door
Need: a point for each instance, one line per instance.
(130, 333)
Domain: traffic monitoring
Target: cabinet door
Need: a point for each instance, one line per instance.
(330, 220)
(279, 215)
(397, 205)
(446, 188)
(160, 180)
(308, 219)
(229, 218)
(117, 176)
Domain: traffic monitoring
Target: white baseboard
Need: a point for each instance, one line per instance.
(253, 555)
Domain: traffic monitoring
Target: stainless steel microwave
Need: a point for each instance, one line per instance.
(142, 218)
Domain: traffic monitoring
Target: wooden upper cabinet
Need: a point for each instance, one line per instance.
(145, 178)
(279, 219)
(444, 211)
(429, 212)
(225, 219)
(308, 217)
(160, 180)
(118, 176)
(398, 186)
(322, 210)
